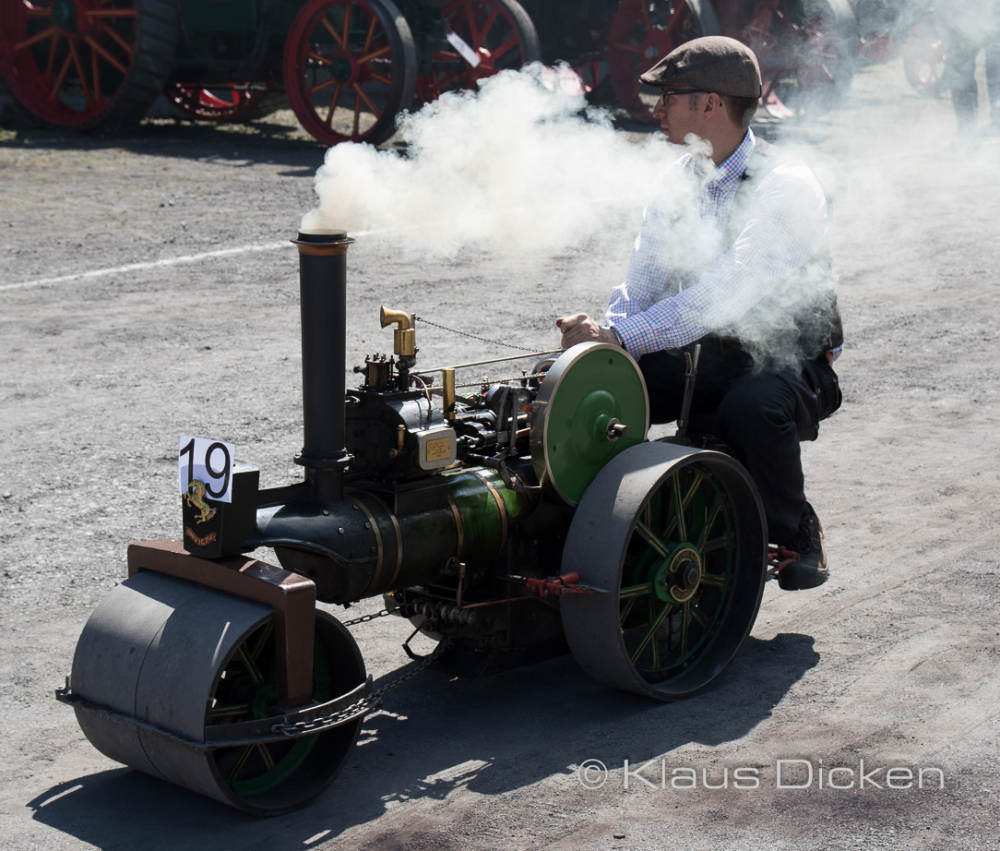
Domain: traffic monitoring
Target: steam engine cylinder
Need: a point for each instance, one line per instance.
(367, 544)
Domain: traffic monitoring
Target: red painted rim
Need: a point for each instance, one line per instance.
(66, 60)
(492, 33)
(802, 62)
(638, 38)
(219, 103)
(344, 70)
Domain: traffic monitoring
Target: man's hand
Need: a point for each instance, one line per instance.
(580, 328)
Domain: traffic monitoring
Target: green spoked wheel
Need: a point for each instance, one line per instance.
(274, 775)
(592, 404)
(675, 538)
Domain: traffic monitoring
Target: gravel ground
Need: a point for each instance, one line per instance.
(124, 326)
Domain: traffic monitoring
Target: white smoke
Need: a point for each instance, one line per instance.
(524, 169)
(521, 169)
(517, 168)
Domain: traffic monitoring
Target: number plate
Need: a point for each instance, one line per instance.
(201, 459)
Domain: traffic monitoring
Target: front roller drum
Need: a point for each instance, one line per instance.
(675, 539)
(162, 663)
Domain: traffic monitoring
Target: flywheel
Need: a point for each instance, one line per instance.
(592, 404)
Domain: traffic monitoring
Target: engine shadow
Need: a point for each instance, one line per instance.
(436, 735)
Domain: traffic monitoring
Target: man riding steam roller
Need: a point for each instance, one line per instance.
(740, 267)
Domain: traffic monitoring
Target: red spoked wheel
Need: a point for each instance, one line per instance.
(479, 39)
(86, 64)
(643, 31)
(349, 68)
(807, 52)
(924, 57)
(218, 103)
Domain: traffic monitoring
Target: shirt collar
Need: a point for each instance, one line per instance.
(731, 169)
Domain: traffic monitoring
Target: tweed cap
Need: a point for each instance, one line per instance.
(714, 63)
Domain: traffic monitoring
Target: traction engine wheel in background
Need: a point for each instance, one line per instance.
(807, 51)
(484, 37)
(643, 31)
(176, 659)
(217, 103)
(676, 537)
(349, 68)
(87, 64)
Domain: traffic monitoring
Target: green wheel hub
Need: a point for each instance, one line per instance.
(679, 572)
(677, 578)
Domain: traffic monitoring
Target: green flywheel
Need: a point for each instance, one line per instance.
(591, 405)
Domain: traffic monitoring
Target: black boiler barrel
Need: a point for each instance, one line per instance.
(323, 295)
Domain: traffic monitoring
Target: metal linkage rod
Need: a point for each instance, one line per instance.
(485, 362)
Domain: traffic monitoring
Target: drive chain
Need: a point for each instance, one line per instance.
(371, 617)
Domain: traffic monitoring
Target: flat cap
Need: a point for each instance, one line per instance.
(714, 63)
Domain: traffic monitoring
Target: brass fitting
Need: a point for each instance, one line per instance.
(398, 450)
(448, 392)
(404, 341)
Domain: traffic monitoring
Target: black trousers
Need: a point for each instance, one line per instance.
(757, 414)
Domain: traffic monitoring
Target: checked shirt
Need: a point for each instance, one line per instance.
(683, 280)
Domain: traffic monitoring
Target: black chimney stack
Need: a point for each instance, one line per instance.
(323, 299)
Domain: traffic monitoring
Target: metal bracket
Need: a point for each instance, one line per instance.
(292, 598)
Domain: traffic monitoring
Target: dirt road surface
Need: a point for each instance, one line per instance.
(109, 354)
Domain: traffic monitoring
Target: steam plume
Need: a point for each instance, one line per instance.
(516, 168)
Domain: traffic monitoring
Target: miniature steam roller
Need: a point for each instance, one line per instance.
(509, 518)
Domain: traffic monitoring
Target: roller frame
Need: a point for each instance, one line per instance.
(258, 731)
(291, 596)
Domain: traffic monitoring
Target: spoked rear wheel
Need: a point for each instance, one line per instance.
(807, 51)
(676, 539)
(481, 38)
(349, 68)
(641, 33)
(86, 64)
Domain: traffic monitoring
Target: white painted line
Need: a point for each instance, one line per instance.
(151, 264)
(155, 264)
